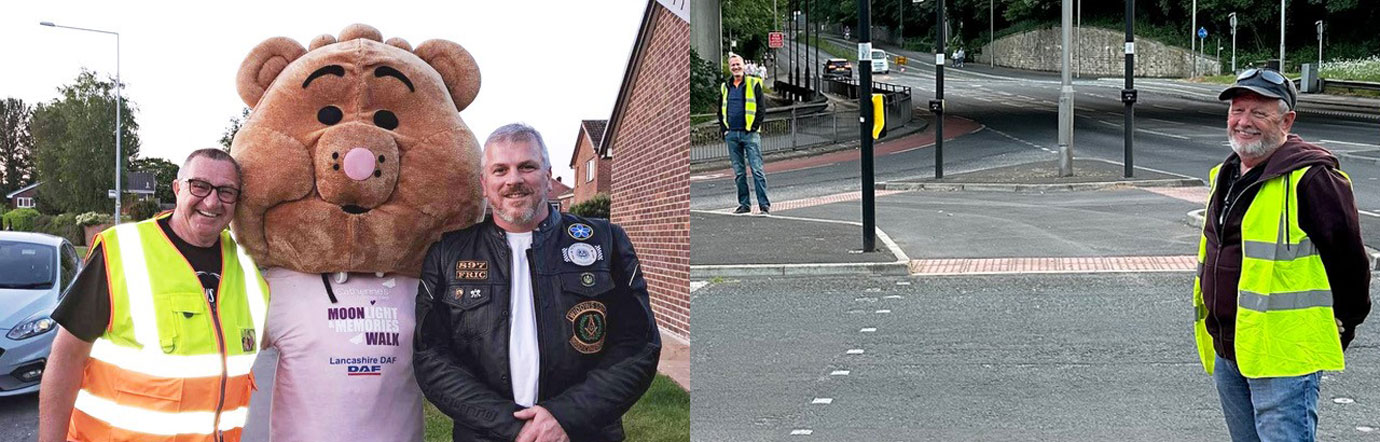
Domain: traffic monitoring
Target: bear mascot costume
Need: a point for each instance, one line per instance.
(355, 160)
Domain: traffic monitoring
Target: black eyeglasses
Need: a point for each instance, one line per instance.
(202, 189)
(1270, 76)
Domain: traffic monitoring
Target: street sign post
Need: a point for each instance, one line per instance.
(1232, 18)
(1202, 39)
(776, 40)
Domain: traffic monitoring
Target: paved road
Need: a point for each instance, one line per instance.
(19, 418)
(1019, 112)
(1017, 357)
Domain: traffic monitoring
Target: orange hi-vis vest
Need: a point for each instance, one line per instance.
(171, 366)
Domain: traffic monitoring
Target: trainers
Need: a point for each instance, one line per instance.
(765, 210)
(741, 210)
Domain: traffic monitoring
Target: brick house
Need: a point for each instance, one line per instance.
(648, 140)
(593, 172)
(24, 198)
(563, 193)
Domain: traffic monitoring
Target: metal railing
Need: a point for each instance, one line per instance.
(796, 130)
(1358, 85)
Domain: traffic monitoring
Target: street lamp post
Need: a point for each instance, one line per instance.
(1281, 36)
(1232, 18)
(1192, 33)
(119, 103)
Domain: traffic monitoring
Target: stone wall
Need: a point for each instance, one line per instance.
(1102, 54)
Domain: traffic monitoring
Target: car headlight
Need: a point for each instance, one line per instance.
(31, 328)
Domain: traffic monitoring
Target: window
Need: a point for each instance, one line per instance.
(589, 170)
(24, 202)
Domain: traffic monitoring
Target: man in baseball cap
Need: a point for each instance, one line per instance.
(1283, 279)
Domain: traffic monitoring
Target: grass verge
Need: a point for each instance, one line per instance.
(662, 415)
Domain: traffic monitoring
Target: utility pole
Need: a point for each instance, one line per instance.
(991, 34)
(1232, 18)
(869, 190)
(1128, 95)
(809, 81)
(1078, 42)
(901, 23)
(1066, 98)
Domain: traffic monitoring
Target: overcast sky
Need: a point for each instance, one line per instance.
(550, 64)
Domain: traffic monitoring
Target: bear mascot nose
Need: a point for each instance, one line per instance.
(359, 164)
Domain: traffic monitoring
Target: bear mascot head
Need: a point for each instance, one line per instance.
(355, 157)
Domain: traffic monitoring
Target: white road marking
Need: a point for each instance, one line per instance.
(1368, 213)
(868, 330)
(1343, 400)
(1348, 143)
(822, 400)
(893, 297)
(839, 373)
(802, 432)
(883, 311)
(855, 351)
(706, 177)
(902, 282)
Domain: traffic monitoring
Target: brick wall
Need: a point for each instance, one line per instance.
(651, 166)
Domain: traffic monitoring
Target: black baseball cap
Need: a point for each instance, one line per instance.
(1265, 82)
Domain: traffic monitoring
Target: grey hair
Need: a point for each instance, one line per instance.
(732, 55)
(214, 155)
(515, 132)
(1283, 107)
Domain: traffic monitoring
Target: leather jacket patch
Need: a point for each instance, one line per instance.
(590, 322)
(472, 270)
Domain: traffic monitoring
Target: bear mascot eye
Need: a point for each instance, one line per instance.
(329, 115)
(386, 120)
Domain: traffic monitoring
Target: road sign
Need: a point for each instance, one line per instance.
(110, 193)
(1202, 33)
(865, 51)
(775, 40)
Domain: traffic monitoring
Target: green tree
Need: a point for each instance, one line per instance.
(704, 85)
(16, 145)
(228, 137)
(748, 22)
(164, 173)
(74, 144)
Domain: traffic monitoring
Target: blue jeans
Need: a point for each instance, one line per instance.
(742, 143)
(1267, 409)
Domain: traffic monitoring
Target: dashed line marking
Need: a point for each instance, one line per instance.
(883, 311)
(868, 330)
(822, 401)
(839, 373)
(855, 351)
(802, 432)
(893, 297)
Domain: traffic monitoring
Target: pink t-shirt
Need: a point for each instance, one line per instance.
(344, 368)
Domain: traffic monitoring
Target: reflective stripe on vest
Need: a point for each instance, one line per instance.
(1284, 319)
(157, 371)
(749, 101)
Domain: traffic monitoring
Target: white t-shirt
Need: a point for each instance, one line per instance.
(345, 368)
(523, 357)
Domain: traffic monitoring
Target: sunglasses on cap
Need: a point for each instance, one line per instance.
(1269, 75)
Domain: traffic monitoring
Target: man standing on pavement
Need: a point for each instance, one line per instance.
(1283, 277)
(533, 325)
(160, 329)
(741, 101)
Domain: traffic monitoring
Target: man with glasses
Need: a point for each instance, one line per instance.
(160, 329)
(1283, 277)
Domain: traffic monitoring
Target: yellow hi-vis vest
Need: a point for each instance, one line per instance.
(170, 367)
(749, 101)
(1284, 320)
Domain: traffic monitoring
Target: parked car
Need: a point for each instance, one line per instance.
(35, 272)
(838, 68)
(879, 62)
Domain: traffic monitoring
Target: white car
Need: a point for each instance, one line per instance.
(35, 272)
(879, 62)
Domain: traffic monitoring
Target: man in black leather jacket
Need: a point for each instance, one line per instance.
(555, 348)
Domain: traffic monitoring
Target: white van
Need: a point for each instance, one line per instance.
(879, 62)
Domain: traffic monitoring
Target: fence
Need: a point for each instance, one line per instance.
(796, 130)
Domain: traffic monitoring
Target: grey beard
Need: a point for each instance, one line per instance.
(1257, 149)
(522, 217)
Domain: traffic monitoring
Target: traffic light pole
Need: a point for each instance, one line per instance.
(869, 198)
(1128, 95)
(937, 105)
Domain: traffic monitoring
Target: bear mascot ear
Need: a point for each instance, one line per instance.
(456, 66)
(263, 65)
